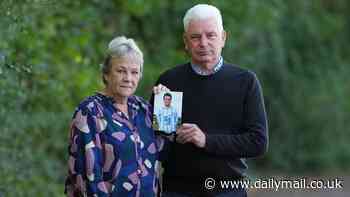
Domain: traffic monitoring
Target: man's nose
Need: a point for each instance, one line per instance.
(203, 41)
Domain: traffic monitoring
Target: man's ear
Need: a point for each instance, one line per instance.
(184, 39)
(224, 37)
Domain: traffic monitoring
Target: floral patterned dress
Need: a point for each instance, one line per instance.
(110, 154)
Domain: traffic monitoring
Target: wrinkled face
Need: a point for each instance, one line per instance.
(123, 77)
(204, 41)
(167, 101)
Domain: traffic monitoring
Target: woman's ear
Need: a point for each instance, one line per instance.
(104, 79)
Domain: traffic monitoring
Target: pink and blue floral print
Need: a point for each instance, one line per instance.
(110, 154)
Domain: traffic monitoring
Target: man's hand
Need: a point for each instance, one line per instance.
(190, 133)
(160, 88)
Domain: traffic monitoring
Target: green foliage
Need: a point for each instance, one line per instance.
(50, 52)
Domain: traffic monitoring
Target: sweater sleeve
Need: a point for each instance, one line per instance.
(253, 140)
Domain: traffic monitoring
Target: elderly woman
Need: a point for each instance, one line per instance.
(112, 147)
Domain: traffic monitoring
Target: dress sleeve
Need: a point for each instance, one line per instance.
(85, 173)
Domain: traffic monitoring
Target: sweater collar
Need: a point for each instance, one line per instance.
(197, 68)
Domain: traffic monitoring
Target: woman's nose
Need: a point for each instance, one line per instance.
(127, 76)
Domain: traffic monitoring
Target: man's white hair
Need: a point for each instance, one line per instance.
(203, 11)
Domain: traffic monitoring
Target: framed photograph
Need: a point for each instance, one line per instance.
(167, 112)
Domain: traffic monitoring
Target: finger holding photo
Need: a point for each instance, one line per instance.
(160, 88)
(191, 133)
(184, 132)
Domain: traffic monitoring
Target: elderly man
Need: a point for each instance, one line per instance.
(224, 119)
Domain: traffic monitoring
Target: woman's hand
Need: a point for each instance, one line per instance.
(160, 88)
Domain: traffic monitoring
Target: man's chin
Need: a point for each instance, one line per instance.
(205, 59)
